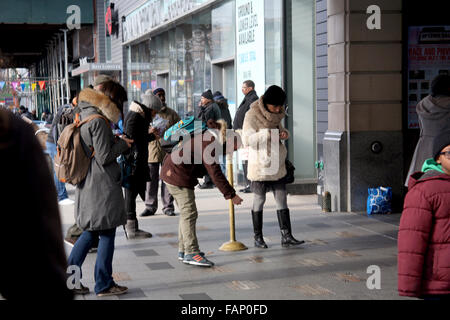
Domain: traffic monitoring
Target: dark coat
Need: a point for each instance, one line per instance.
(186, 175)
(225, 112)
(99, 202)
(209, 112)
(36, 258)
(424, 237)
(243, 108)
(136, 126)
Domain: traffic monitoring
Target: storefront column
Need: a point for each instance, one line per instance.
(363, 144)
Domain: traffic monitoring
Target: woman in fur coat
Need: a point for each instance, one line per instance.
(264, 133)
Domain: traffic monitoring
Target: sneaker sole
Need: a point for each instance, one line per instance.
(69, 243)
(111, 294)
(193, 263)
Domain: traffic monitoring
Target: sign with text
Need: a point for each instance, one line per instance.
(250, 48)
(153, 14)
(428, 56)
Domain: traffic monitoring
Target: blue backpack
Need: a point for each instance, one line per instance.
(188, 126)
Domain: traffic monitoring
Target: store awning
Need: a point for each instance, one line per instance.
(92, 67)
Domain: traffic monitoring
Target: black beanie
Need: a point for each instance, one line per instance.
(275, 95)
(208, 95)
(440, 142)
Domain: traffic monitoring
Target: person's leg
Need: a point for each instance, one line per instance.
(246, 189)
(167, 200)
(81, 249)
(60, 186)
(103, 264)
(132, 227)
(283, 214)
(151, 196)
(257, 218)
(130, 204)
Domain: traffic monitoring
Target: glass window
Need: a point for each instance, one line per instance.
(223, 31)
(273, 11)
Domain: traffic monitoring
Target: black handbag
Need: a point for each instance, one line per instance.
(289, 177)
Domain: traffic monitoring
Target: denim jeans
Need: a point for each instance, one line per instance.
(105, 252)
(60, 186)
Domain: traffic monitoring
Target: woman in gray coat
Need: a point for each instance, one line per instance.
(434, 118)
(99, 202)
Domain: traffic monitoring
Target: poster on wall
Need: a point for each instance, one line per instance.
(250, 48)
(428, 56)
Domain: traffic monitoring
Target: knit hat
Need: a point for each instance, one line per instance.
(218, 96)
(208, 95)
(151, 101)
(440, 142)
(275, 95)
(102, 78)
(156, 91)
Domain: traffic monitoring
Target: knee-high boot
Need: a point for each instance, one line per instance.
(284, 220)
(257, 217)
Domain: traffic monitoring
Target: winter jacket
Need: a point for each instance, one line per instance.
(243, 108)
(186, 175)
(209, 112)
(55, 130)
(264, 164)
(225, 112)
(155, 153)
(434, 118)
(35, 258)
(424, 237)
(99, 203)
(136, 127)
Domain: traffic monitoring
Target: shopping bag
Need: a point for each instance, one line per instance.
(379, 200)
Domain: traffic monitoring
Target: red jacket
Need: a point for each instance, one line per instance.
(424, 237)
(186, 175)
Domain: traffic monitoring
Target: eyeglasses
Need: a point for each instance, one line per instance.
(447, 154)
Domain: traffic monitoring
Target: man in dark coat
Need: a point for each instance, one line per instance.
(208, 110)
(40, 263)
(137, 128)
(248, 89)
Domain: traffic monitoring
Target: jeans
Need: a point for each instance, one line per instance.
(103, 264)
(60, 186)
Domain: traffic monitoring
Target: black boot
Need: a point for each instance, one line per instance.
(284, 220)
(257, 217)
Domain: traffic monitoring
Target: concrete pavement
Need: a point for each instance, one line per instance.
(332, 264)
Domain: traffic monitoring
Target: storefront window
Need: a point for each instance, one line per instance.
(139, 70)
(223, 31)
(273, 10)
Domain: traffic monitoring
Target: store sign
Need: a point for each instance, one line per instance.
(428, 56)
(153, 14)
(250, 45)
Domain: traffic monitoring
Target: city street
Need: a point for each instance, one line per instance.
(331, 265)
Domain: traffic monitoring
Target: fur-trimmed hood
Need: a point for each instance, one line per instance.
(101, 102)
(221, 127)
(135, 107)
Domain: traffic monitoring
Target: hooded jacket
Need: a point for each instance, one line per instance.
(185, 174)
(434, 118)
(424, 237)
(99, 203)
(264, 164)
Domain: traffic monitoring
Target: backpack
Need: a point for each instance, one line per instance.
(71, 163)
(173, 135)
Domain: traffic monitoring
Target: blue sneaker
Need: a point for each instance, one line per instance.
(197, 260)
(181, 255)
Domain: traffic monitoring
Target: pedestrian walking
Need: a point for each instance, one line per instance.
(181, 178)
(266, 167)
(155, 157)
(137, 127)
(207, 110)
(222, 102)
(40, 263)
(424, 237)
(248, 89)
(99, 202)
(434, 117)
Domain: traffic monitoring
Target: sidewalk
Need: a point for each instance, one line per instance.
(332, 264)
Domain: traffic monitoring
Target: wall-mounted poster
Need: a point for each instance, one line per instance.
(428, 56)
(250, 49)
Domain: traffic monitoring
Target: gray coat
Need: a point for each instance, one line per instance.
(434, 117)
(99, 202)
